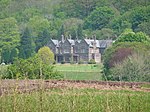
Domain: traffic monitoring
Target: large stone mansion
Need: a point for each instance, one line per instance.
(69, 50)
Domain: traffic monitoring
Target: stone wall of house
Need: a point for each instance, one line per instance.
(52, 46)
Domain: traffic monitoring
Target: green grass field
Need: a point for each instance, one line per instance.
(80, 72)
(77, 100)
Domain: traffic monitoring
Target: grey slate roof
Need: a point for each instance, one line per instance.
(99, 43)
(90, 42)
(56, 42)
(104, 43)
(72, 42)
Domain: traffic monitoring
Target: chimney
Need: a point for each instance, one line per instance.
(62, 38)
(70, 37)
(94, 37)
(86, 36)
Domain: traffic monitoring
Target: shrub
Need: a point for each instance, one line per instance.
(3, 71)
(63, 62)
(92, 61)
(72, 62)
(31, 68)
(119, 52)
(133, 68)
(81, 62)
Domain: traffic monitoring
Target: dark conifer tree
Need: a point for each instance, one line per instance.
(27, 47)
(79, 31)
(61, 32)
(5, 55)
(42, 39)
(13, 54)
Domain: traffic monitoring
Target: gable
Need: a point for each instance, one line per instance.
(84, 42)
(51, 44)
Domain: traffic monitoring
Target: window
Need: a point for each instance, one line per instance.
(83, 50)
(66, 50)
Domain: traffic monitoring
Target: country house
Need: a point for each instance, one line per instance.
(69, 50)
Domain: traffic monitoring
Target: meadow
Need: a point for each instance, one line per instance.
(57, 96)
(80, 71)
(76, 100)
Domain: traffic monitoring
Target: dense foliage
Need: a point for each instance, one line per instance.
(128, 58)
(35, 67)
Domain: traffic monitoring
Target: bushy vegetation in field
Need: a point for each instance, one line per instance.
(38, 66)
(76, 100)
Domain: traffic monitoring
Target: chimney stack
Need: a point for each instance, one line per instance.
(86, 36)
(70, 37)
(94, 37)
(62, 38)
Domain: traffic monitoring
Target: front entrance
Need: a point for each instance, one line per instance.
(76, 59)
(60, 59)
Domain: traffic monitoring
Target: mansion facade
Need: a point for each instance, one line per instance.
(69, 50)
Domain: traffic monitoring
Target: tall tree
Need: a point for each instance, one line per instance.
(9, 33)
(79, 31)
(61, 32)
(42, 39)
(9, 37)
(37, 25)
(27, 48)
(99, 18)
(5, 55)
(129, 36)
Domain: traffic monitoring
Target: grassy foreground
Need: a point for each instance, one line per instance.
(80, 71)
(76, 100)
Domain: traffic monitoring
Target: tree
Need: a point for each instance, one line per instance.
(130, 36)
(119, 25)
(9, 33)
(9, 38)
(99, 18)
(9, 54)
(126, 5)
(80, 31)
(119, 52)
(27, 47)
(104, 33)
(144, 27)
(61, 32)
(42, 39)
(71, 26)
(13, 54)
(139, 15)
(37, 25)
(46, 55)
(25, 15)
(5, 55)
(133, 68)
(31, 68)
(78, 8)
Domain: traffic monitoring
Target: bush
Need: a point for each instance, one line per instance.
(31, 68)
(92, 61)
(3, 71)
(133, 68)
(63, 62)
(81, 62)
(119, 52)
(72, 62)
